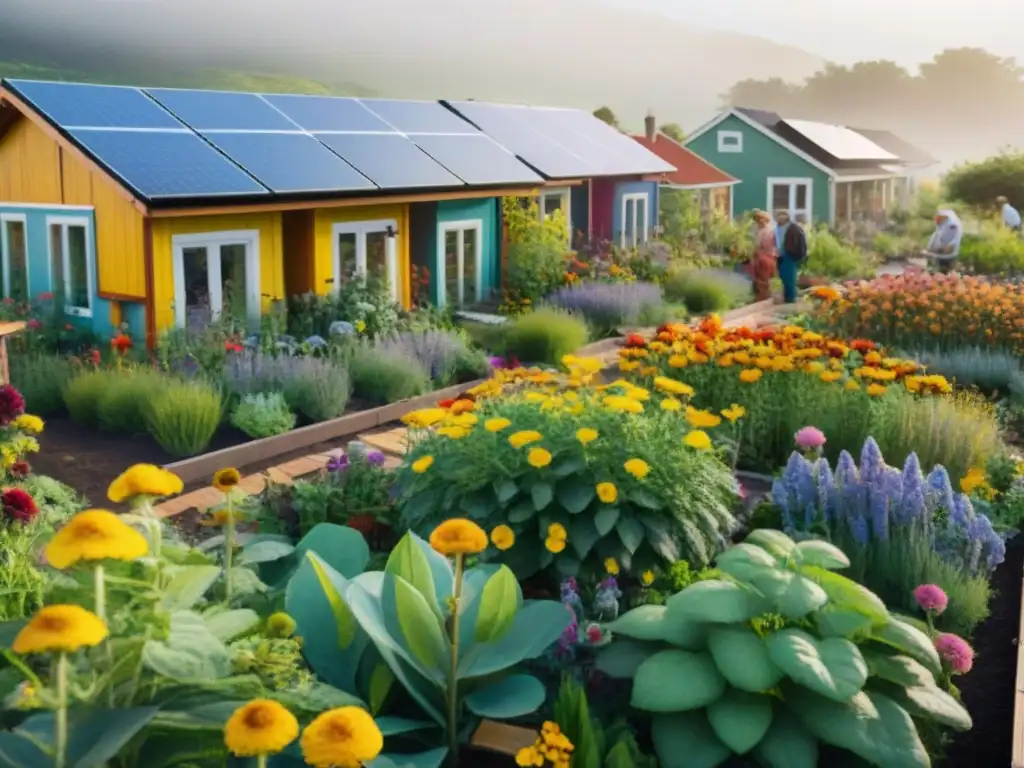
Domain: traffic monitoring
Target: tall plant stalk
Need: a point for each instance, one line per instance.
(453, 667)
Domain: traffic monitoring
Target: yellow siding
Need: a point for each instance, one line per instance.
(325, 218)
(271, 257)
(29, 166)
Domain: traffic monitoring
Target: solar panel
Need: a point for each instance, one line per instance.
(222, 110)
(418, 116)
(327, 113)
(290, 162)
(95, 106)
(391, 161)
(841, 143)
(476, 159)
(167, 164)
(628, 154)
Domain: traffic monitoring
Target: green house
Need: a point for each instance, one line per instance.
(820, 173)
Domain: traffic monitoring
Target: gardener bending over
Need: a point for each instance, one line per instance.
(944, 246)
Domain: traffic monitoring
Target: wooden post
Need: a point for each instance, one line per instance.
(6, 329)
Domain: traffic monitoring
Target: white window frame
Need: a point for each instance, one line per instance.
(460, 227)
(361, 229)
(565, 194)
(792, 183)
(639, 237)
(724, 139)
(212, 241)
(64, 222)
(5, 250)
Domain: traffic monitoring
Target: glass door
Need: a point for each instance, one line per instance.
(634, 220)
(792, 195)
(14, 249)
(461, 262)
(71, 263)
(367, 248)
(216, 276)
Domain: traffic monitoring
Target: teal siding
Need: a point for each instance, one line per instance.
(761, 159)
(485, 210)
(650, 188)
(423, 244)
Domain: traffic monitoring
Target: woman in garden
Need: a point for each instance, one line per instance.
(791, 243)
(944, 245)
(762, 265)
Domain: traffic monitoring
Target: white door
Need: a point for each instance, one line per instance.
(71, 258)
(216, 273)
(635, 222)
(460, 262)
(793, 195)
(367, 248)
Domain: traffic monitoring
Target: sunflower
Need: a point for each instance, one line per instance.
(607, 492)
(341, 738)
(458, 536)
(144, 480)
(95, 534)
(503, 537)
(226, 479)
(60, 628)
(261, 727)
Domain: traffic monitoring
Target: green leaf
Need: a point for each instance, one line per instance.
(646, 622)
(542, 494)
(95, 736)
(19, 752)
(314, 699)
(408, 562)
(793, 595)
(844, 593)
(246, 581)
(265, 551)
(775, 543)
(499, 602)
(703, 682)
(381, 680)
(537, 627)
(659, 535)
(717, 602)
(583, 535)
(911, 641)
(822, 554)
(631, 532)
(685, 740)
(934, 703)
(480, 504)
(228, 625)
(787, 744)
(684, 632)
(644, 498)
(901, 670)
(408, 616)
(833, 667)
(568, 465)
(342, 548)
(623, 657)
(841, 622)
(505, 490)
(575, 493)
(191, 653)
(433, 758)
(743, 561)
(188, 585)
(522, 511)
(740, 719)
(344, 623)
(394, 726)
(605, 519)
(743, 659)
(513, 696)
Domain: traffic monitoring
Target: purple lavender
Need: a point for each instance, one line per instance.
(608, 305)
(338, 463)
(376, 458)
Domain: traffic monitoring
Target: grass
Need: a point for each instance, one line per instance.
(545, 336)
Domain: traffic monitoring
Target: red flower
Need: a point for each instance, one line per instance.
(862, 345)
(18, 505)
(635, 340)
(21, 469)
(33, 324)
(446, 403)
(12, 404)
(68, 327)
(232, 346)
(121, 343)
(94, 357)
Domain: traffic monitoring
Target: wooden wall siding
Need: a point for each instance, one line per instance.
(34, 169)
(271, 256)
(299, 250)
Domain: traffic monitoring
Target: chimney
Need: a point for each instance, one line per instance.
(650, 126)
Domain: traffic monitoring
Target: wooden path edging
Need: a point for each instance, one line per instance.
(1017, 752)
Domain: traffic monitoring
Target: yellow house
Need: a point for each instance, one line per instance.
(164, 208)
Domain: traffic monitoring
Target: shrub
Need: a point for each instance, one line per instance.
(996, 250)
(41, 380)
(980, 183)
(608, 307)
(778, 659)
(987, 369)
(321, 393)
(263, 415)
(544, 336)
(386, 375)
(440, 353)
(183, 416)
(537, 249)
(613, 476)
(318, 388)
(83, 394)
(707, 290)
(123, 404)
(828, 256)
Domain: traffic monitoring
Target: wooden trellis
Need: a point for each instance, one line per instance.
(7, 329)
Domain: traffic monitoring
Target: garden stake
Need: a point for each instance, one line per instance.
(60, 714)
(453, 680)
(229, 546)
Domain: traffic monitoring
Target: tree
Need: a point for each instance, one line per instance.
(979, 184)
(606, 114)
(673, 131)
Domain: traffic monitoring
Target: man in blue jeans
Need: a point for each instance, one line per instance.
(792, 246)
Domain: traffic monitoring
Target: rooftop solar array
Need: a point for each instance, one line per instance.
(841, 143)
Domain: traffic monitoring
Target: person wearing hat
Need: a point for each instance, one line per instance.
(1011, 216)
(766, 254)
(791, 243)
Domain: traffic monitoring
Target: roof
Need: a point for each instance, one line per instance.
(903, 149)
(692, 170)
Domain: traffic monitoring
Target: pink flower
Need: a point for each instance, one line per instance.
(809, 438)
(955, 652)
(931, 598)
(33, 324)
(594, 633)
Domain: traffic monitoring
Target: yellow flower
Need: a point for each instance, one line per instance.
(503, 537)
(814, 368)
(424, 418)
(671, 404)
(360, 326)
(877, 390)
(144, 480)
(496, 425)
(852, 386)
(623, 403)
(830, 377)
(538, 458)
(226, 479)
(734, 412)
(557, 531)
(611, 565)
(280, 624)
(465, 420)
(672, 386)
(702, 419)
(60, 628)
(628, 365)
(95, 534)
(750, 375)
(519, 439)
(219, 518)
(698, 439)
(607, 492)
(647, 578)
(345, 737)
(678, 361)
(638, 468)
(554, 545)
(29, 423)
(453, 433)
(458, 536)
(261, 727)
(422, 464)
(586, 435)
(530, 756)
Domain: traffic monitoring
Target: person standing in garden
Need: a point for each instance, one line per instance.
(791, 243)
(944, 245)
(1011, 216)
(766, 253)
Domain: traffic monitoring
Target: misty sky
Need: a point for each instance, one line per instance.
(845, 31)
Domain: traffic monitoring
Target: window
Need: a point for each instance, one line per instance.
(553, 200)
(730, 141)
(793, 195)
(216, 273)
(71, 263)
(460, 268)
(635, 222)
(367, 248)
(14, 250)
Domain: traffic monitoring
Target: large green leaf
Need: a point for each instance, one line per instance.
(433, 758)
(480, 504)
(583, 535)
(95, 736)
(622, 658)
(505, 490)
(685, 740)
(740, 719)
(684, 632)
(394, 726)
(743, 659)
(264, 551)
(20, 752)
(631, 532)
(512, 696)
(537, 626)
(787, 744)
(521, 511)
(832, 621)
(934, 703)
(646, 622)
(775, 543)
(500, 600)
(676, 681)
(188, 585)
(229, 625)
(313, 699)
(833, 667)
(191, 652)
(542, 495)
(846, 594)
(409, 618)
(912, 641)
(716, 602)
(341, 547)
(792, 595)
(745, 560)
(575, 493)
(904, 671)
(659, 535)
(605, 519)
(821, 554)
(409, 562)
